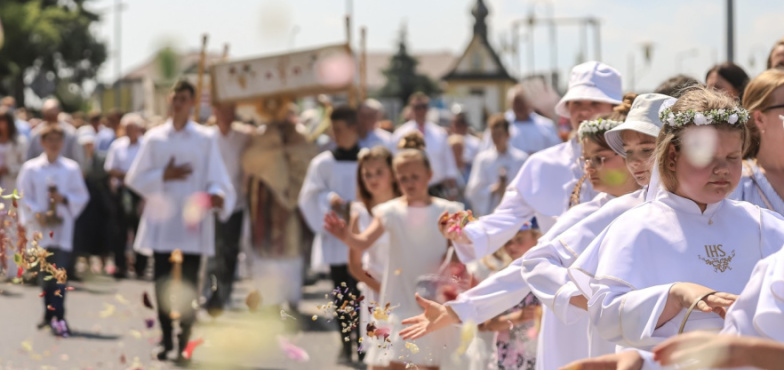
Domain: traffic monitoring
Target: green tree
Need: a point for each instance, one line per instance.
(49, 42)
(402, 79)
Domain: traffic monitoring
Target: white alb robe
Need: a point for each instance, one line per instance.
(35, 177)
(541, 189)
(163, 227)
(485, 172)
(326, 176)
(759, 311)
(640, 255)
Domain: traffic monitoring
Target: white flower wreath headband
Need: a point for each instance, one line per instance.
(731, 116)
(596, 127)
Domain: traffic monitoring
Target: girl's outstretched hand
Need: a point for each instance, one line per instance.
(335, 225)
(451, 225)
(435, 317)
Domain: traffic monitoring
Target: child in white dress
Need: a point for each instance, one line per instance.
(416, 249)
(375, 185)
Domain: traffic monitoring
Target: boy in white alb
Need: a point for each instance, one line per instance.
(492, 168)
(180, 174)
(52, 182)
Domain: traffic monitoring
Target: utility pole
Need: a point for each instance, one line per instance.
(118, 8)
(730, 31)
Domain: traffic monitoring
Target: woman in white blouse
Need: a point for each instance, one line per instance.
(12, 151)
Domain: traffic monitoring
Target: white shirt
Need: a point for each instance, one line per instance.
(641, 254)
(104, 138)
(232, 146)
(163, 227)
(326, 176)
(377, 137)
(535, 134)
(442, 159)
(471, 147)
(121, 154)
(755, 188)
(485, 173)
(35, 177)
(541, 189)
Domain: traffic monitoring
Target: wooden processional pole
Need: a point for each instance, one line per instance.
(200, 78)
(362, 64)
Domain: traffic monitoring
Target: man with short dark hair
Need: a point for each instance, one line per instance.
(330, 185)
(181, 176)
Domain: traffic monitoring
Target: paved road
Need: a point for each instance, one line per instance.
(107, 318)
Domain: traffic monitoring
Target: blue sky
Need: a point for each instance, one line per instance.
(259, 27)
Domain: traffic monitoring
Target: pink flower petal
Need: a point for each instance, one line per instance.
(293, 352)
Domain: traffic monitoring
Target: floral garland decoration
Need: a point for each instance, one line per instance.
(731, 116)
(596, 127)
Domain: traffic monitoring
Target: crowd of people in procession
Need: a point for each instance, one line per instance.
(660, 215)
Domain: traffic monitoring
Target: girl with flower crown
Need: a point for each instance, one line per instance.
(574, 231)
(655, 271)
(375, 185)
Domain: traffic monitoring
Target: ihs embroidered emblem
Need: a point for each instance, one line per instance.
(717, 258)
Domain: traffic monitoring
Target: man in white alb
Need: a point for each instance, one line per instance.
(180, 174)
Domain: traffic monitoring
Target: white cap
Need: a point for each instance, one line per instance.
(643, 117)
(594, 81)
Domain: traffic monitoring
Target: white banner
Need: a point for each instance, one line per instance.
(309, 72)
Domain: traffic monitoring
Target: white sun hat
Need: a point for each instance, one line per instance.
(643, 117)
(594, 81)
